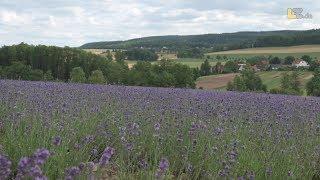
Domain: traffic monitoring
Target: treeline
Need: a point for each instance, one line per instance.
(215, 42)
(140, 55)
(27, 62)
(164, 74)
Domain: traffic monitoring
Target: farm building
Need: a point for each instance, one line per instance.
(300, 63)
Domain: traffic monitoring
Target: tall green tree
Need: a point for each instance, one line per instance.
(77, 75)
(289, 60)
(97, 77)
(307, 58)
(205, 68)
(247, 81)
(313, 86)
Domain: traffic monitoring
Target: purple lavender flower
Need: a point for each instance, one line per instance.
(41, 155)
(56, 141)
(72, 172)
(5, 167)
(163, 167)
(30, 166)
(82, 166)
(106, 156)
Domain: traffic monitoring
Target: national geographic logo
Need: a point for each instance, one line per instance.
(297, 13)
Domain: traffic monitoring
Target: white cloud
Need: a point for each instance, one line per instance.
(74, 22)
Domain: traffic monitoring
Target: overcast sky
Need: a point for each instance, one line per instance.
(75, 22)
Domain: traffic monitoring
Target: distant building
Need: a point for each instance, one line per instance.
(255, 68)
(300, 63)
(242, 67)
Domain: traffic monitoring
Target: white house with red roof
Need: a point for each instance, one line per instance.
(300, 63)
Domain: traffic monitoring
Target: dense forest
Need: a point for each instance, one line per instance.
(28, 62)
(215, 42)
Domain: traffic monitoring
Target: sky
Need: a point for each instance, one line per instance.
(75, 22)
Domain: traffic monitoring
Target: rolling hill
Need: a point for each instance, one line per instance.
(215, 42)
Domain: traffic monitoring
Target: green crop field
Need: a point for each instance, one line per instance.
(296, 51)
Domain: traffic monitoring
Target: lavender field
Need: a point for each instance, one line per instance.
(77, 131)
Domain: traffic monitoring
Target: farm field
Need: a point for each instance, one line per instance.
(296, 51)
(78, 131)
(271, 79)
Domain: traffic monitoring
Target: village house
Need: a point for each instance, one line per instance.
(300, 64)
(242, 67)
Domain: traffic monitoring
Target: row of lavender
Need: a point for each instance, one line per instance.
(154, 132)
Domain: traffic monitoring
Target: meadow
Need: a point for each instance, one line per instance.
(78, 131)
(272, 79)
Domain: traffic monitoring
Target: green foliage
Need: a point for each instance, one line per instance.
(59, 61)
(166, 74)
(97, 77)
(216, 42)
(289, 60)
(231, 66)
(141, 55)
(109, 56)
(36, 75)
(190, 53)
(120, 56)
(247, 81)
(205, 68)
(77, 75)
(17, 70)
(306, 58)
(255, 60)
(313, 86)
(290, 84)
(48, 76)
(275, 60)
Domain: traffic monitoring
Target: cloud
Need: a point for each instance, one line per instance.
(74, 22)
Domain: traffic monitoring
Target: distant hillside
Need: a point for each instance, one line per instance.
(215, 42)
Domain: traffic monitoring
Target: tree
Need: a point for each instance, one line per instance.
(275, 60)
(289, 60)
(119, 56)
(307, 58)
(141, 55)
(77, 75)
(36, 75)
(290, 84)
(247, 81)
(109, 56)
(313, 86)
(17, 70)
(48, 76)
(218, 68)
(205, 68)
(231, 66)
(97, 77)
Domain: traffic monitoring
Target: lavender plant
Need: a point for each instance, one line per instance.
(57, 130)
